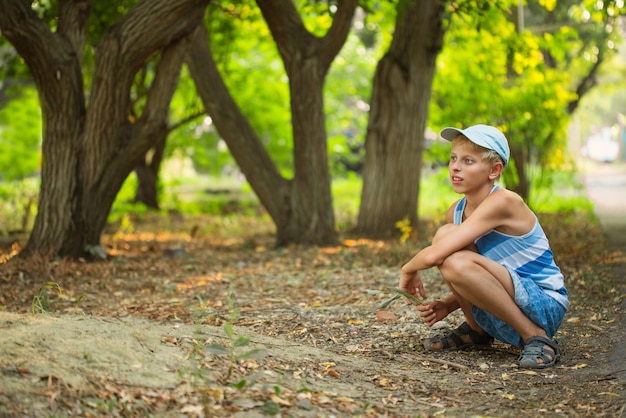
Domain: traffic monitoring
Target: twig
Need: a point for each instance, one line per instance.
(302, 315)
(389, 301)
(597, 328)
(446, 363)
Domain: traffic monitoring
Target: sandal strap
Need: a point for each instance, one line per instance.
(445, 340)
(475, 337)
(535, 349)
(454, 340)
(539, 341)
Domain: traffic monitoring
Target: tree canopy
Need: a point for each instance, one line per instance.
(289, 93)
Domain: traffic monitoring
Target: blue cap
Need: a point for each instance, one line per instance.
(484, 135)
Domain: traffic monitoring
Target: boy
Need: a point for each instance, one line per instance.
(494, 257)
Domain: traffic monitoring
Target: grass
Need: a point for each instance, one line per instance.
(230, 198)
(18, 205)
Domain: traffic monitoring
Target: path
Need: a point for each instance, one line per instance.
(606, 187)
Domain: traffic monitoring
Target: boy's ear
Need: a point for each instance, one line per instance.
(496, 170)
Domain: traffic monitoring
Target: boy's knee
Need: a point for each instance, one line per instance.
(456, 264)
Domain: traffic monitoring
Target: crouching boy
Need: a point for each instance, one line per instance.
(494, 256)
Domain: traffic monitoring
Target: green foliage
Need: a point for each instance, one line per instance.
(347, 92)
(521, 81)
(18, 204)
(41, 300)
(20, 136)
(253, 71)
(123, 205)
(346, 193)
(236, 342)
(436, 195)
(560, 192)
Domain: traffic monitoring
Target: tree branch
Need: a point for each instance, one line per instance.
(586, 84)
(243, 142)
(123, 50)
(73, 19)
(284, 21)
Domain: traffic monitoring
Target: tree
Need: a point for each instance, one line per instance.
(90, 148)
(524, 78)
(301, 207)
(399, 111)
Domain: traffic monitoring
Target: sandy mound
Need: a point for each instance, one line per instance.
(85, 352)
(78, 349)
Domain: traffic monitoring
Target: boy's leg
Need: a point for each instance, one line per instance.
(477, 280)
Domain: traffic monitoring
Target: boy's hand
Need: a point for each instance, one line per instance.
(433, 311)
(411, 283)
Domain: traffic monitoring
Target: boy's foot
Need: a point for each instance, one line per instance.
(462, 337)
(539, 353)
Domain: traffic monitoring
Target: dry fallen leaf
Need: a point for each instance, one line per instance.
(386, 316)
(279, 400)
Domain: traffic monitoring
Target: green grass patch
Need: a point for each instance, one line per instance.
(559, 192)
(18, 205)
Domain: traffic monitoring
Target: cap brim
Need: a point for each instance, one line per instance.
(450, 133)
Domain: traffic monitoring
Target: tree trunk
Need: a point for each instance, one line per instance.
(53, 63)
(87, 154)
(134, 140)
(521, 159)
(147, 171)
(301, 208)
(399, 111)
(307, 58)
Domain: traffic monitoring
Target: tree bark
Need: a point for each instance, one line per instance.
(301, 208)
(521, 159)
(399, 110)
(87, 154)
(55, 68)
(307, 59)
(147, 171)
(244, 144)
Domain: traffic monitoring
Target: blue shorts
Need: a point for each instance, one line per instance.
(540, 307)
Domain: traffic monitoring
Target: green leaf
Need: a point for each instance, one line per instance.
(217, 349)
(388, 301)
(257, 353)
(407, 295)
(228, 329)
(241, 341)
(270, 408)
(240, 385)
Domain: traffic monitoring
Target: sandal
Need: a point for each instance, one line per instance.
(535, 349)
(453, 340)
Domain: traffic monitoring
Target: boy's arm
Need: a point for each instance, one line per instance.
(490, 214)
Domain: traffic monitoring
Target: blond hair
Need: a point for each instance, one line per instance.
(488, 155)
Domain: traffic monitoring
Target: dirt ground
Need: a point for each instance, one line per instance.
(201, 325)
(606, 187)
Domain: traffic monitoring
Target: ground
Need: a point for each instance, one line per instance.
(185, 320)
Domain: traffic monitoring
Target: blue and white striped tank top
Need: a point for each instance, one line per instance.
(529, 255)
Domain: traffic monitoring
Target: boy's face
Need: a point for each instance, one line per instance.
(468, 171)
